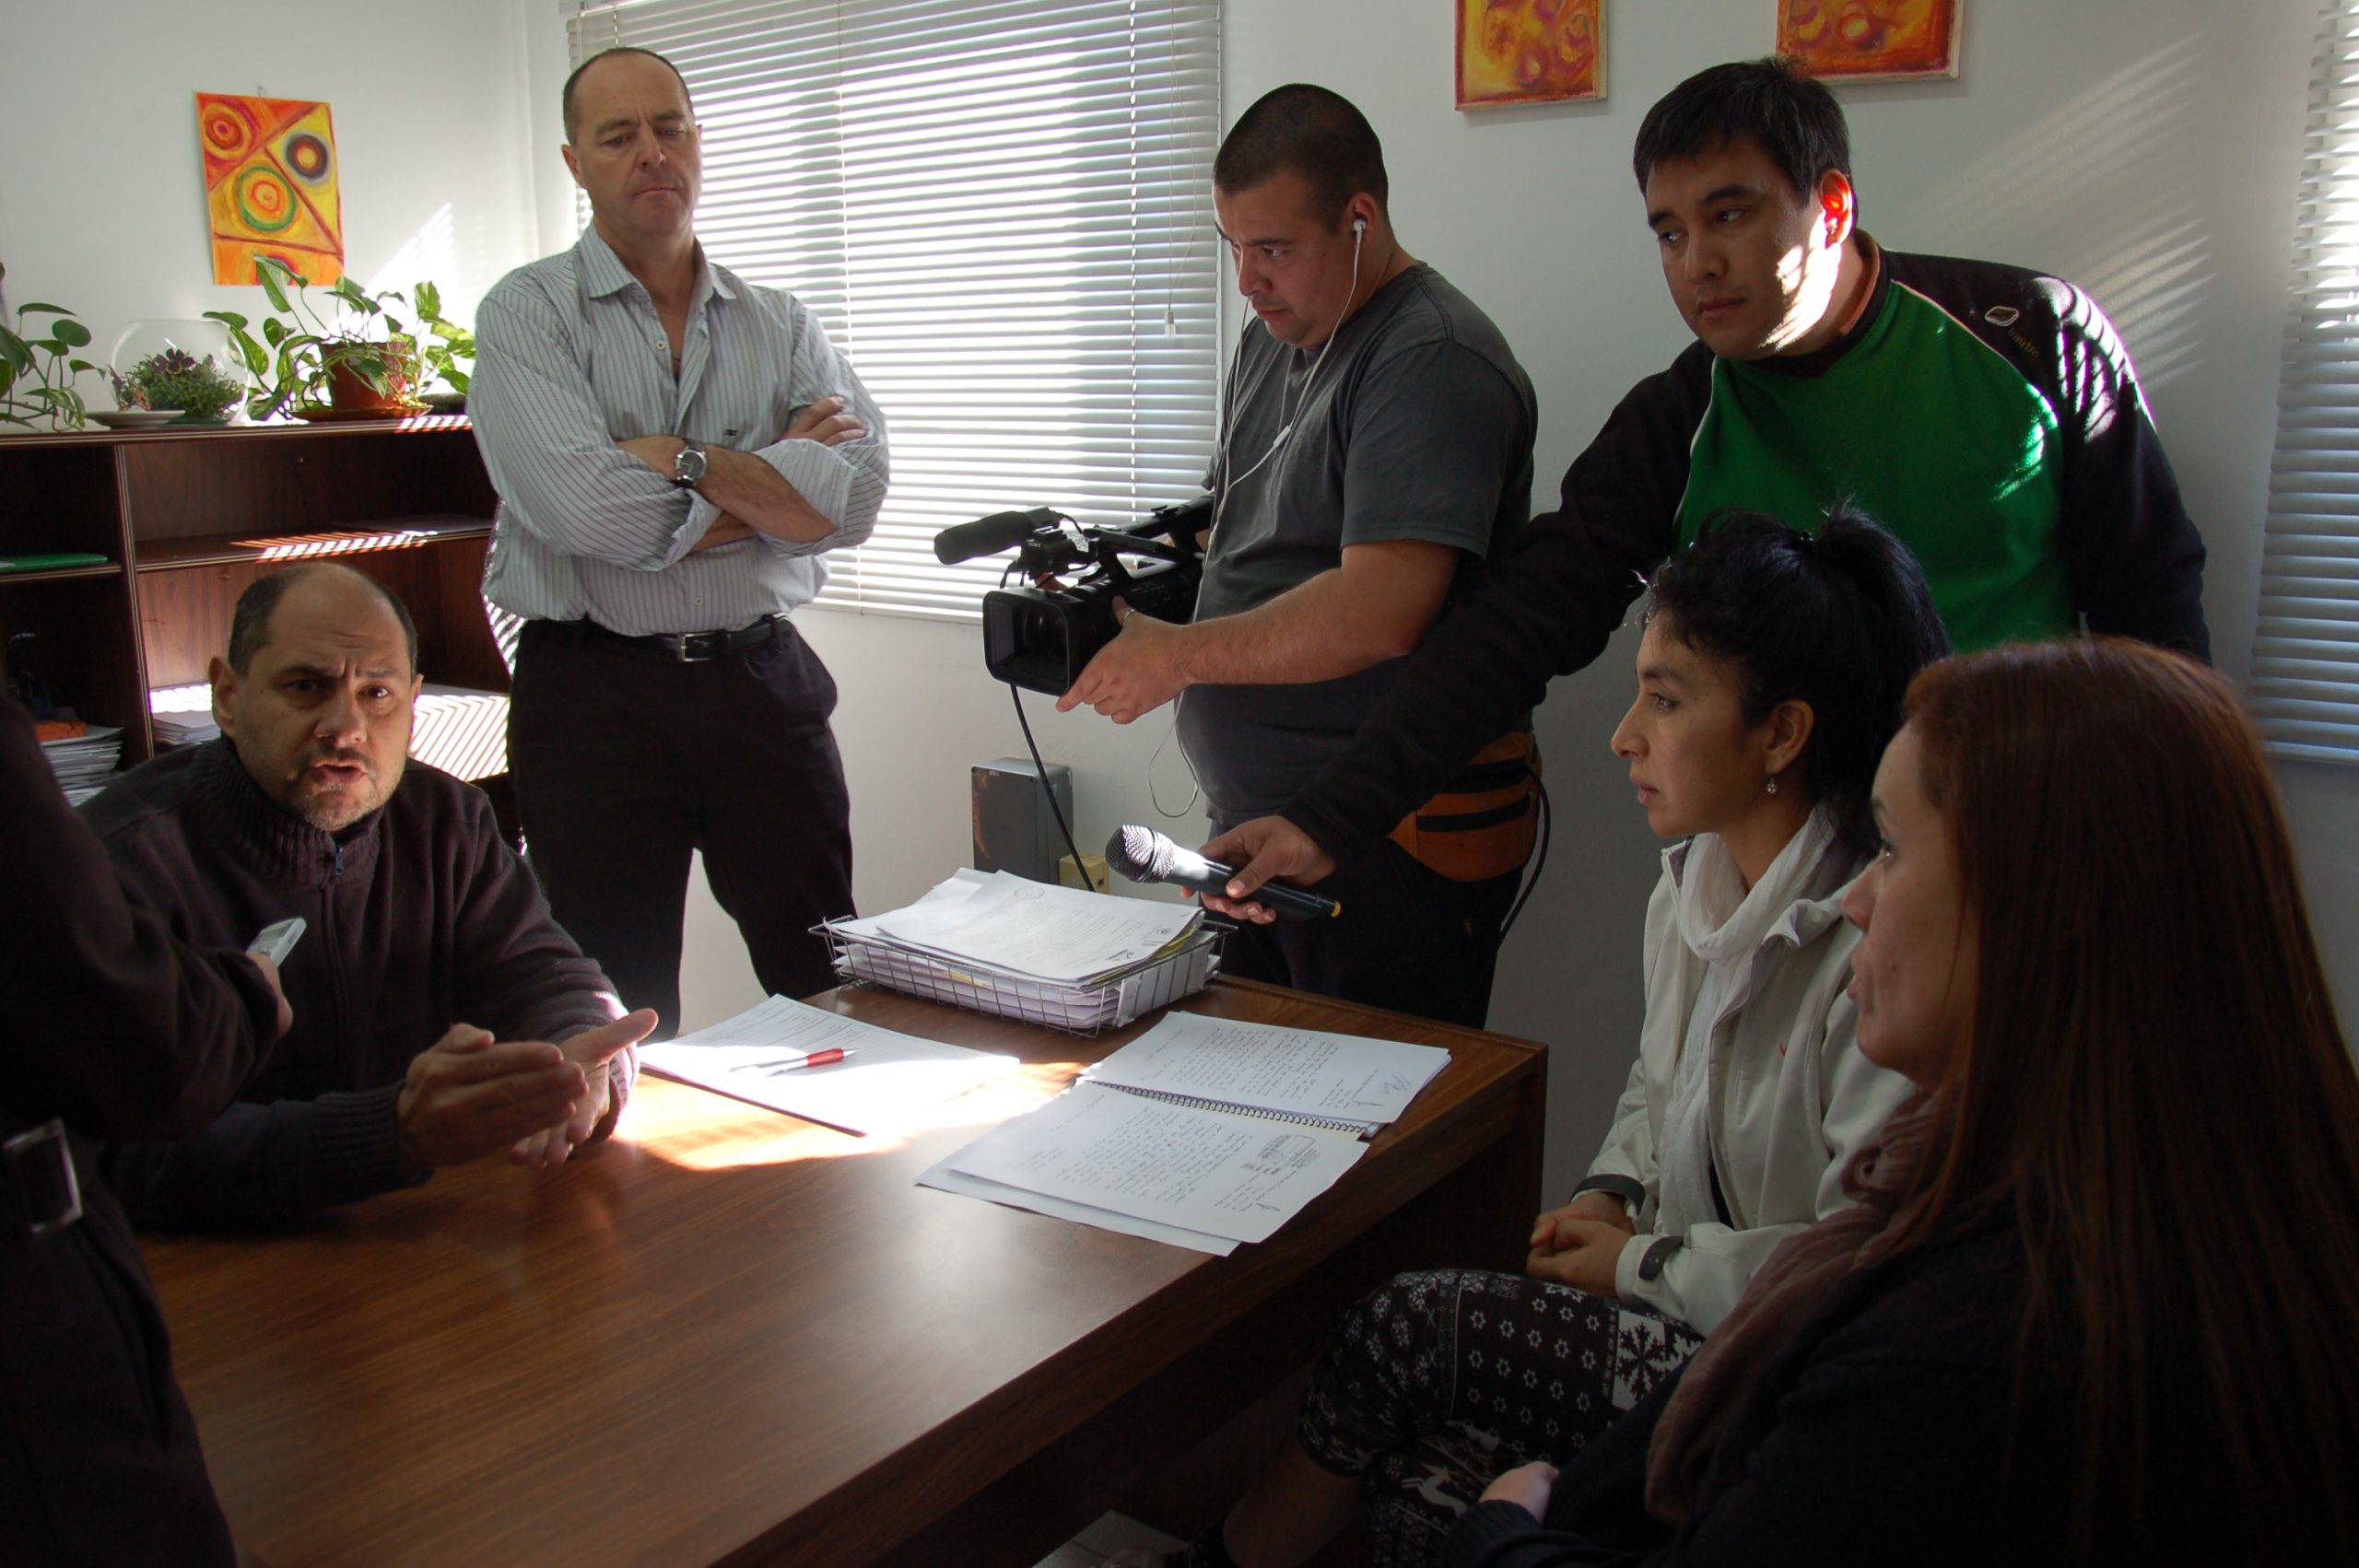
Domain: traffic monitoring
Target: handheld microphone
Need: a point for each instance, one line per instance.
(989, 535)
(1141, 854)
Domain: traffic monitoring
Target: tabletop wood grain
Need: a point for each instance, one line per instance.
(733, 1335)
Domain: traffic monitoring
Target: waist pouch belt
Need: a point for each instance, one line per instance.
(1484, 823)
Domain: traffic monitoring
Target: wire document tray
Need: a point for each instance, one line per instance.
(1075, 1010)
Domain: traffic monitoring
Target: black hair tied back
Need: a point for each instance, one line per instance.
(1839, 619)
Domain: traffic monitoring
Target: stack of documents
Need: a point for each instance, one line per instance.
(1202, 1132)
(1023, 949)
(84, 763)
(866, 1079)
(183, 714)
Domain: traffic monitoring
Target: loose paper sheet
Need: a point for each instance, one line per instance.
(948, 1180)
(891, 1077)
(1227, 1175)
(1308, 1072)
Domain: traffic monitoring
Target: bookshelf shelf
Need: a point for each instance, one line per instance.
(187, 518)
(61, 574)
(246, 548)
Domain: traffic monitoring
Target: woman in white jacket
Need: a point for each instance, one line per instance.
(1770, 676)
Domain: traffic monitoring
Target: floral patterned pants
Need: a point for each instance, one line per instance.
(1439, 1382)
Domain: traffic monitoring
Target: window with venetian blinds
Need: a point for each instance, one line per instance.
(1002, 210)
(2304, 682)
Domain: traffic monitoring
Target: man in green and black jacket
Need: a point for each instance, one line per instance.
(1987, 414)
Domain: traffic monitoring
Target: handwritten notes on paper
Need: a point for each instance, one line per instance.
(1235, 1176)
(1202, 1132)
(1344, 1079)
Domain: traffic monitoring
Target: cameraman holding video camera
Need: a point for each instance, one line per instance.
(1376, 445)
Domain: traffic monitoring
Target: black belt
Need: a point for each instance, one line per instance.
(693, 647)
(40, 1191)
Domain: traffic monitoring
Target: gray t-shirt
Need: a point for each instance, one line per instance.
(1419, 425)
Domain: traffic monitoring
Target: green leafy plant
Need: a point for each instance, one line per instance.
(37, 374)
(172, 378)
(301, 357)
(447, 343)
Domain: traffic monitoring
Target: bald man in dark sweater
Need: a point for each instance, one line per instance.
(442, 1014)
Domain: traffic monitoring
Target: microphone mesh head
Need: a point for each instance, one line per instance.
(1132, 850)
(1150, 854)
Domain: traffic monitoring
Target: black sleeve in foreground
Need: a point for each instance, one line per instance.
(1544, 607)
(123, 1030)
(262, 1167)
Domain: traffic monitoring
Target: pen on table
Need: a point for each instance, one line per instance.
(814, 1059)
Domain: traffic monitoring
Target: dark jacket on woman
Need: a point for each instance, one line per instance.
(1881, 1436)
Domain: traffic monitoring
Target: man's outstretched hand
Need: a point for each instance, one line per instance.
(593, 1051)
(1262, 850)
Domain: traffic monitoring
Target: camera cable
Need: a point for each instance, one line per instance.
(1040, 771)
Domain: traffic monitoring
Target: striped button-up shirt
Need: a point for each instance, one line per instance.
(571, 359)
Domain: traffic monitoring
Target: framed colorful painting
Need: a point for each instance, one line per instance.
(1871, 40)
(270, 186)
(1529, 52)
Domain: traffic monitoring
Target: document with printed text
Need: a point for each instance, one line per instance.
(1221, 1173)
(1340, 1079)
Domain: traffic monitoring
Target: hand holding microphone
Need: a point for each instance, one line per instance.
(1141, 854)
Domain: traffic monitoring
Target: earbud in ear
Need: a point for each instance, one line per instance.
(1359, 225)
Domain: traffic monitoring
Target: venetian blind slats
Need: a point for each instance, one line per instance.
(2304, 683)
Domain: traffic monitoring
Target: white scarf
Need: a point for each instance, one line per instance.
(1724, 925)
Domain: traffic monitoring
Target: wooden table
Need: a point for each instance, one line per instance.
(734, 1336)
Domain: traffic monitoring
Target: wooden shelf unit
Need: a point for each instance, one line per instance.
(187, 518)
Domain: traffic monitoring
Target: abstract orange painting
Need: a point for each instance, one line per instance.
(1529, 51)
(1870, 39)
(270, 185)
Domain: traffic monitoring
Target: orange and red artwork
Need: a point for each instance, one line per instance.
(270, 186)
(1870, 38)
(1529, 51)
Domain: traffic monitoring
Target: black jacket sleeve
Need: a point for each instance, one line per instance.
(522, 975)
(2131, 552)
(1544, 607)
(119, 1028)
(264, 1166)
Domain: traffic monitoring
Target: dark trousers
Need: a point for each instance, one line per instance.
(625, 760)
(98, 1455)
(1405, 939)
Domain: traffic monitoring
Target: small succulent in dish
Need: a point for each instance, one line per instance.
(174, 379)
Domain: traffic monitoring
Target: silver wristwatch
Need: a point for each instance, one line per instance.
(688, 467)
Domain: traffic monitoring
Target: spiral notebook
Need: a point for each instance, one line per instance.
(1343, 1083)
(1202, 1132)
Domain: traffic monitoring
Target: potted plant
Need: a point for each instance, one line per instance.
(171, 378)
(449, 349)
(366, 361)
(37, 374)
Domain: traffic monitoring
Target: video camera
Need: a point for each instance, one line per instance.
(1041, 638)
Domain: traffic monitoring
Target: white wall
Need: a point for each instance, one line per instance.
(102, 196)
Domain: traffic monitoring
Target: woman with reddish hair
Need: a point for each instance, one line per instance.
(2098, 1300)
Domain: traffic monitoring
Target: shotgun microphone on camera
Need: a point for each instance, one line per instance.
(989, 535)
